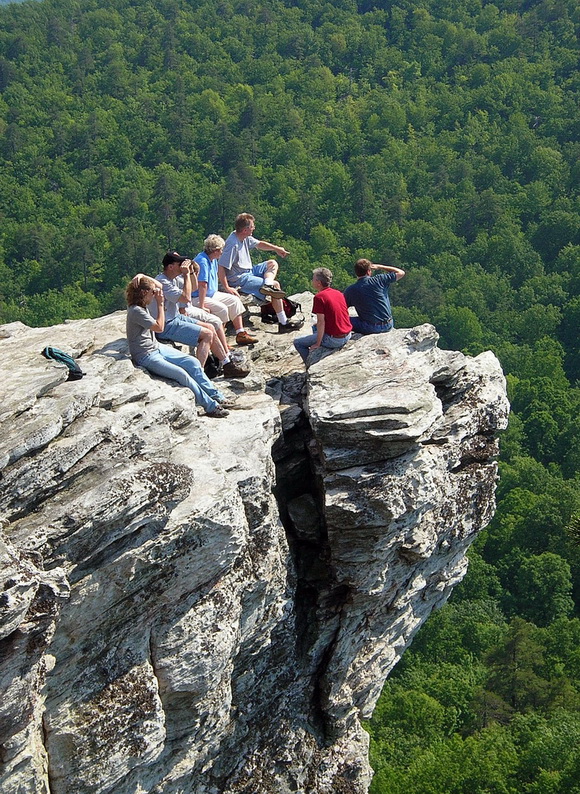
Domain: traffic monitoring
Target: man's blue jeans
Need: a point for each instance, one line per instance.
(170, 363)
(361, 327)
(303, 343)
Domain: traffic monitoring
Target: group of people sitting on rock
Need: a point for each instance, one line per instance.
(191, 301)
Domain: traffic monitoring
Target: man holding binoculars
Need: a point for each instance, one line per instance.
(178, 279)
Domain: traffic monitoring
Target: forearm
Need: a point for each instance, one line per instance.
(319, 328)
(187, 288)
(159, 325)
(264, 245)
(388, 269)
(223, 277)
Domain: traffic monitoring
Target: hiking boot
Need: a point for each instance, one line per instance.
(231, 370)
(290, 327)
(244, 338)
(219, 412)
(272, 292)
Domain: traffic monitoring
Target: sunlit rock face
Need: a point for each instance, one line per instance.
(206, 606)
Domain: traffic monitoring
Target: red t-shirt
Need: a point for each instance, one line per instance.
(331, 303)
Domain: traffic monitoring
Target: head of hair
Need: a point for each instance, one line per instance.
(135, 294)
(243, 221)
(323, 275)
(213, 242)
(361, 267)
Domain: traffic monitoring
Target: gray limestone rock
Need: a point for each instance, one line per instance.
(210, 607)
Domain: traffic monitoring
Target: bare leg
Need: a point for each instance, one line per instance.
(218, 349)
(221, 335)
(271, 267)
(238, 323)
(203, 346)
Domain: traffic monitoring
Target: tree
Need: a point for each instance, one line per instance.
(516, 666)
(459, 327)
(542, 589)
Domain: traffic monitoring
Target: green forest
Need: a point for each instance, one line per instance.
(439, 135)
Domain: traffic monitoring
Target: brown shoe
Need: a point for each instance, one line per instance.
(231, 370)
(244, 338)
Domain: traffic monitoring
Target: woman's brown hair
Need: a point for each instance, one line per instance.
(135, 292)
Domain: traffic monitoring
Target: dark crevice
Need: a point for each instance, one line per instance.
(448, 394)
(319, 598)
(320, 683)
(477, 451)
(44, 732)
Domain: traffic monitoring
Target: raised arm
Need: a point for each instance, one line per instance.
(189, 279)
(193, 273)
(136, 280)
(159, 324)
(389, 269)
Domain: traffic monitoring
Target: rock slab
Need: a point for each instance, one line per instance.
(201, 606)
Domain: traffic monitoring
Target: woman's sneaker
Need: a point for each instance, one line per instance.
(228, 402)
(218, 413)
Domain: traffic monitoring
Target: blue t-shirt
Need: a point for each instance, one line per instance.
(208, 271)
(370, 297)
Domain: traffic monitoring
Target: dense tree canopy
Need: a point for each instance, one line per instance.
(439, 135)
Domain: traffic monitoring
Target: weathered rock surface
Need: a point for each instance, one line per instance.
(209, 606)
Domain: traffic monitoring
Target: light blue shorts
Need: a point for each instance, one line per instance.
(249, 283)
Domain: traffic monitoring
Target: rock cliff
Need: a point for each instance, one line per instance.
(207, 606)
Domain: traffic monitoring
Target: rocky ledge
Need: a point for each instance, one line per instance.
(207, 606)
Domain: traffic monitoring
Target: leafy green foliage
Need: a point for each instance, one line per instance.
(438, 136)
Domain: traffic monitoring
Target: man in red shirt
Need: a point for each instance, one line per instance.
(333, 327)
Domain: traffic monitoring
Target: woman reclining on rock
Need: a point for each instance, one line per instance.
(165, 360)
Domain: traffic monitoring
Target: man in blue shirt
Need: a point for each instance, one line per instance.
(370, 297)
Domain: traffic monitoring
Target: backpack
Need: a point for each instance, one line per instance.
(212, 366)
(54, 354)
(268, 315)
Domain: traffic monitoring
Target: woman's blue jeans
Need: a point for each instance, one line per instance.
(170, 363)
